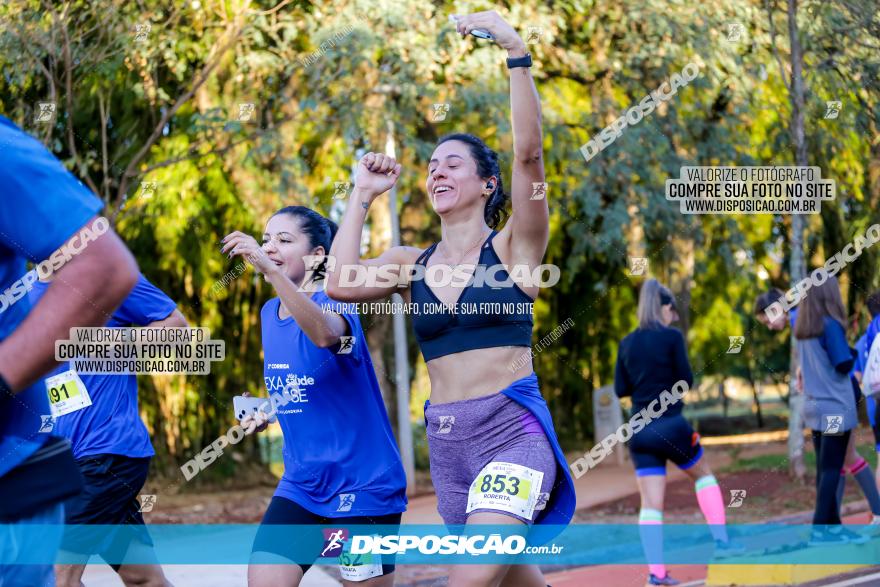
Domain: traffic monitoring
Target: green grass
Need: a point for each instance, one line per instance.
(764, 463)
(735, 409)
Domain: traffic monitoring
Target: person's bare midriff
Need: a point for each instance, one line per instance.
(476, 373)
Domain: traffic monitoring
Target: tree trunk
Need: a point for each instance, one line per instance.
(756, 389)
(681, 278)
(873, 175)
(797, 270)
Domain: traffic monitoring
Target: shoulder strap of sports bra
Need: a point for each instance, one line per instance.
(423, 258)
(493, 259)
(489, 240)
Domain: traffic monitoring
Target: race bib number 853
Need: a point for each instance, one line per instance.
(506, 487)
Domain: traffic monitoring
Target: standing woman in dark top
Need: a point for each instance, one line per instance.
(830, 406)
(653, 359)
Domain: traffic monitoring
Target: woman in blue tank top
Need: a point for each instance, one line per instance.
(341, 464)
(494, 455)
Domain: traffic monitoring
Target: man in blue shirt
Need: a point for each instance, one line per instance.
(112, 448)
(44, 209)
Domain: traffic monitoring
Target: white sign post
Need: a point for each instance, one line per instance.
(607, 418)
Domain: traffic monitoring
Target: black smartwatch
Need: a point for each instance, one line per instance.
(524, 61)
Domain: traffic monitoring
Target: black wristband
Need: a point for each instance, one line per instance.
(524, 61)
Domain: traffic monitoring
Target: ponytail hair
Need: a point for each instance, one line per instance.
(651, 300)
(487, 166)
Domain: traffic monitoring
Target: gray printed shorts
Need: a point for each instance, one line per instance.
(488, 454)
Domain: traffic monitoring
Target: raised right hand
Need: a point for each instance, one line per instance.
(376, 173)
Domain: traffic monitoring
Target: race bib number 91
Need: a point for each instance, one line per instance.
(67, 393)
(506, 487)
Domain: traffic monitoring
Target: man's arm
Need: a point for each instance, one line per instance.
(84, 292)
(174, 320)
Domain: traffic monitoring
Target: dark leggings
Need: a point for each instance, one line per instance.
(830, 455)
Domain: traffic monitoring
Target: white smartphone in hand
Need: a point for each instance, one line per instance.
(244, 405)
(479, 33)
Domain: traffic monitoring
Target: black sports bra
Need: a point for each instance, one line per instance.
(486, 315)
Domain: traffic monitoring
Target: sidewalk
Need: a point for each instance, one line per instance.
(603, 484)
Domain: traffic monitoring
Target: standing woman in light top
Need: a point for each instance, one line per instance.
(494, 455)
(341, 464)
(830, 405)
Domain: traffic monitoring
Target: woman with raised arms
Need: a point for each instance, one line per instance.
(494, 454)
(341, 465)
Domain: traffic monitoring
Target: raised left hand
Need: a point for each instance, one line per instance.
(490, 21)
